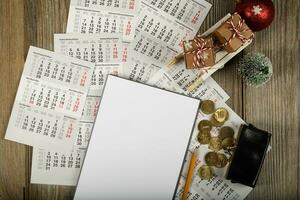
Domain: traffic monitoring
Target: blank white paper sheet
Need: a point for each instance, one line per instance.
(138, 144)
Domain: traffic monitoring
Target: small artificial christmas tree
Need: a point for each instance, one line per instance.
(255, 69)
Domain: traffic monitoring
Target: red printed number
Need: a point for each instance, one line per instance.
(83, 79)
(196, 17)
(124, 57)
(76, 105)
(128, 28)
(69, 131)
(131, 4)
(115, 52)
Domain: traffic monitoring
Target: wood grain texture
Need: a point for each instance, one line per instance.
(12, 155)
(44, 19)
(274, 107)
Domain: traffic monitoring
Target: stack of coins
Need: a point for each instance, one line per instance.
(226, 136)
(224, 140)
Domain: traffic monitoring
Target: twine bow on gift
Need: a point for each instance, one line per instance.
(199, 53)
(237, 32)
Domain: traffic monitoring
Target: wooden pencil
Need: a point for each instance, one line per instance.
(190, 174)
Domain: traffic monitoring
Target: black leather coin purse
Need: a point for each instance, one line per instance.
(248, 157)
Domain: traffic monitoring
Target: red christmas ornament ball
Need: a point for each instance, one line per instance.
(258, 14)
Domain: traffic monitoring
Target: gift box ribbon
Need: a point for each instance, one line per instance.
(199, 52)
(237, 32)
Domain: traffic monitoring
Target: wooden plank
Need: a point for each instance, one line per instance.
(297, 118)
(12, 155)
(44, 18)
(273, 107)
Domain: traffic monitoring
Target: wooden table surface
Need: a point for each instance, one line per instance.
(273, 107)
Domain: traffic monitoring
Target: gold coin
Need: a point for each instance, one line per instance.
(211, 158)
(205, 172)
(225, 132)
(221, 115)
(227, 142)
(222, 160)
(204, 126)
(215, 144)
(214, 122)
(204, 137)
(207, 107)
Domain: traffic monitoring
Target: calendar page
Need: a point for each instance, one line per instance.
(188, 13)
(155, 18)
(56, 168)
(163, 79)
(62, 168)
(149, 55)
(88, 21)
(217, 187)
(140, 68)
(153, 48)
(161, 28)
(96, 48)
(184, 78)
(47, 163)
(50, 100)
(125, 6)
(99, 76)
